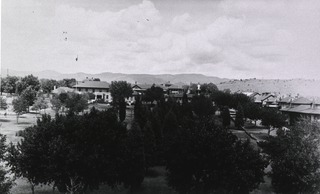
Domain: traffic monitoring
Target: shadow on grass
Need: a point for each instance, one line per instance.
(4, 120)
(24, 123)
(255, 127)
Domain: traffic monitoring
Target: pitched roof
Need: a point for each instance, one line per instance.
(142, 86)
(92, 84)
(301, 100)
(303, 109)
(286, 99)
(271, 99)
(173, 86)
(261, 98)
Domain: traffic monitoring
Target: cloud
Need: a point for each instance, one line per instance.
(239, 38)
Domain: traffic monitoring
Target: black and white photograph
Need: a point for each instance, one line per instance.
(160, 97)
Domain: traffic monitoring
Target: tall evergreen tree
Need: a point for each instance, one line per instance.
(149, 145)
(225, 114)
(239, 121)
(122, 110)
(134, 168)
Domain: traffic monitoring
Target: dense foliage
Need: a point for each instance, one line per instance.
(9, 84)
(295, 158)
(28, 81)
(3, 103)
(206, 159)
(85, 150)
(20, 106)
(5, 182)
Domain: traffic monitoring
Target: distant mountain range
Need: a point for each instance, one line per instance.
(283, 87)
(132, 78)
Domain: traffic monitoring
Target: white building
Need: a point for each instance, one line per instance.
(100, 89)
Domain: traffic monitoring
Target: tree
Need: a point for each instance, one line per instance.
(5, 182)
(120, 90)
(40, 104)
(3, 103)
(225, 114)
(9, 84)
(252, 111)
(202, 106)
(237, 99)
(140, 112)
(28, 81)
(47, 85)
(20, 106)
(63, 97)
(56, 103)
(73, 152)
(273, 119)
(222, 98)
(208, 89)
(134, 170)
(76, 102)
(193, 88)
(68, 82)
(122, 110)
(207, 159)
(149, 142)
(154, 93)
(170, 125)
(295, 157)
(29, 95)
(239, 120)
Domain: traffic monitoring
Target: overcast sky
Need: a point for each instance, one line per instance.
(224, 38)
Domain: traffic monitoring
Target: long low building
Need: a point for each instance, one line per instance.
(100, 89)
(301, 108)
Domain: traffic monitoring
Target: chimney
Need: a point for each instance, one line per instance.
(313, 104)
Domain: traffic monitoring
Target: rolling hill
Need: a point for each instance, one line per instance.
(303, 87)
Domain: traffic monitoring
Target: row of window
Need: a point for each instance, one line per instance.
(93, 90)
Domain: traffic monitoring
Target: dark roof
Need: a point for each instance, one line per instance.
(272, 99)
(173, 86)
(261, 98)
(92, 84)
(286, 99)
(303, 109)
(142, 86)
(301, 100)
